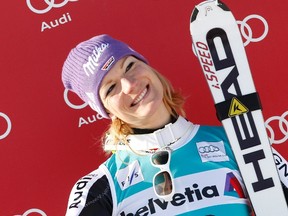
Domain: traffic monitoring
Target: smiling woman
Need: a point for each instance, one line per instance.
(132, 92)
(157, 165)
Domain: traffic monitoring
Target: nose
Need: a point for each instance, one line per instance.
(128, 84)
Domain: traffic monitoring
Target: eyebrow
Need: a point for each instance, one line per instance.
(103, 88)
(124, 60)
(104, 85)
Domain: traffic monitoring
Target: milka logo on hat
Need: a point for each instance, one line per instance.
(93, 59)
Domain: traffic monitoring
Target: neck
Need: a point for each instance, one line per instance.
(153, 120)
(151, 130)
(173, 135)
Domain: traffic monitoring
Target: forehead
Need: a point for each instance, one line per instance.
(117, 68)
(113, 73)
(114, 69)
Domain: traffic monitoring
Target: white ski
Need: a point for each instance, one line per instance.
(219, 47)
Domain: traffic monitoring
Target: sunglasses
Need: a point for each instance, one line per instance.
(163, 182)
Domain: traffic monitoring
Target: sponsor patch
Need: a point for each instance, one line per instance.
(129, 175)
(108, 64)
(212, 151)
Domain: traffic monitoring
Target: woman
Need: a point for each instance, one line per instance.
(162, 163)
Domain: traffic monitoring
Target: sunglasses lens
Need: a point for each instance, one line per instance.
(163, 183)
(160, 158)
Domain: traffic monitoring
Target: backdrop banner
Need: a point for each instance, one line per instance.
(49, 138)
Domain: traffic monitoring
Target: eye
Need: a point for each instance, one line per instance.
(129, 66)
(110, 89)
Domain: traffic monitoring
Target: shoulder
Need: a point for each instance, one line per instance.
(89, 193)
(216, 132)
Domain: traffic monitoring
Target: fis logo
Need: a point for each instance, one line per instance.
(129, 175)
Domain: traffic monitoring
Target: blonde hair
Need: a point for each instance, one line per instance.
(173, 100)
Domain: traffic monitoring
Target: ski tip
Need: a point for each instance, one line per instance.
(207, 6)
(194, 15)
(223, 6)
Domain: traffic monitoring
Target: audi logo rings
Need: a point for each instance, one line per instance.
(283, 127)
(50, 4)
(73, 106)
(244, 25)
(9, 125)
(34, 210)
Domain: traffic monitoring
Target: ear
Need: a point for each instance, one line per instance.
(112, 116)
(109, 114)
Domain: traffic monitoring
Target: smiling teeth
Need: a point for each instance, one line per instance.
(140, 97)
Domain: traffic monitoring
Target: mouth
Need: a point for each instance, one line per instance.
(140, 97)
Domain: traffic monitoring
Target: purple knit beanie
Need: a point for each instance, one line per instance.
(88, 63)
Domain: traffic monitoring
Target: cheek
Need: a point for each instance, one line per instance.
(159, 89)
(113, 104)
